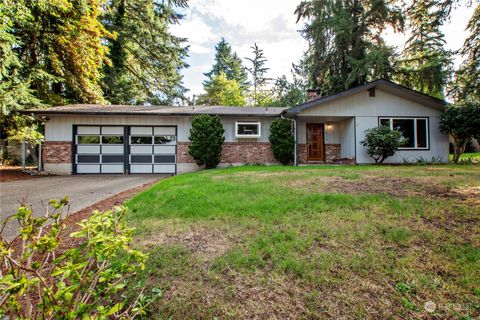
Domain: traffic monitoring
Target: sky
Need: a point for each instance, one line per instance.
(272, 25)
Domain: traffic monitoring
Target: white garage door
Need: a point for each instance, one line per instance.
(100, 149)
(152, 149)
(123, 149)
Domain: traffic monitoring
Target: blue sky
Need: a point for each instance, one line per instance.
(272, 25)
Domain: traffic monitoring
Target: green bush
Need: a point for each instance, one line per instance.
(45, 277)
(462, 122)
(382, 142)
(206, 140)
(282, 141)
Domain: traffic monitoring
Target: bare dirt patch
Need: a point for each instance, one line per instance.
(14, 173)
(209, 243)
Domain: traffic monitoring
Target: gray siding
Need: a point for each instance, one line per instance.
(59, 128)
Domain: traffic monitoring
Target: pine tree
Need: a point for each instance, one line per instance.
(258, 71)
(346, 47)
(467, 78)
(60, 45)
(425, 64)
(222, 91)
(146, 57)
(227, 62)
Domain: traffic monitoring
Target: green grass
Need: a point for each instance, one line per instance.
(313, 242)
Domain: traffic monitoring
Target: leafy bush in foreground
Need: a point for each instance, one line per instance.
(382, 142)
(44, 277)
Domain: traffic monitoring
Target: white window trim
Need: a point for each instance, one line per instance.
(248, 135)
(415, 147)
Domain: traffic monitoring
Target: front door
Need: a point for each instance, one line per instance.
(315, 142)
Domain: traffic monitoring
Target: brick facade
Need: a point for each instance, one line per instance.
(57, 152)
(333, 154)
(234, 152)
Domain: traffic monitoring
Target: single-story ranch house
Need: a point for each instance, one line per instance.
(154, 139)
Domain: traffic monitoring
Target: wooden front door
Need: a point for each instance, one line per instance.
(315, 148)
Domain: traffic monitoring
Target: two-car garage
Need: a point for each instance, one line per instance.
(124, 149)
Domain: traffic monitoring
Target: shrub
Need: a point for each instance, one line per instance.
(44, 277)
(462, 122)
(382, 142)
(282, 140)
(206, 138)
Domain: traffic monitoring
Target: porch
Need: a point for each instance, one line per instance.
(325, 140)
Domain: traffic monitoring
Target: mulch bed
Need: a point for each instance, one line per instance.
(14, 173)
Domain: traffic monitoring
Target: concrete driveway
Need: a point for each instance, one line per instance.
(83, 191)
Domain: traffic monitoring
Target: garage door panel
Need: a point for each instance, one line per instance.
(165, 158)
(112, 158)
(88, 168)
(88, 158)
(141, 130)
(112, 168)
(141, 168)
(164, 149)
(113, 149)
(140, 149)
(112, 130)
(88, 149)
(166, 168)
(164, 131)
(88, 130)
(141, 158)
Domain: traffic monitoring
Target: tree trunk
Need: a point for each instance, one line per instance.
(460, 145)
(33, 152)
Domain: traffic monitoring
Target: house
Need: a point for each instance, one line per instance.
(154, 139)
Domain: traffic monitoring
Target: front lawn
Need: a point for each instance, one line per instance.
(340, 242)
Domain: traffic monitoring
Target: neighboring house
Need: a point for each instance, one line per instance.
(154, 139)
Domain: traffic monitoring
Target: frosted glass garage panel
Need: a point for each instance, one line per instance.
(112, 130)
(112, 168)
(164, 150)
(141, 130)
(140, 149)
(88, 149)
(164, 131)
(141, 168)
(112, 149)
(164, 168)
(88, 168)
(88, 130)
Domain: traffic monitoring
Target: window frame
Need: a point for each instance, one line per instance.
(427, 128)
(258, 123)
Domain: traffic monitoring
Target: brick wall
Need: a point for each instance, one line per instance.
(234, 152)
(333, 154)
(57, 152)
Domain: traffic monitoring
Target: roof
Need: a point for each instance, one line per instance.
(383, 84)
(95, 109)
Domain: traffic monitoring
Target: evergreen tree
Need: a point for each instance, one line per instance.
(258, 71)
(223, 92)
(467, 78)
(346, 47)
(60, 46)
(227, 62)
(425, 64)
(146, 57)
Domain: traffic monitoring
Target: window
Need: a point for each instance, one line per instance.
(247, 129)
(88, 139)
(112, 139)
(164, 140)
(141, 140)
(414, 130)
